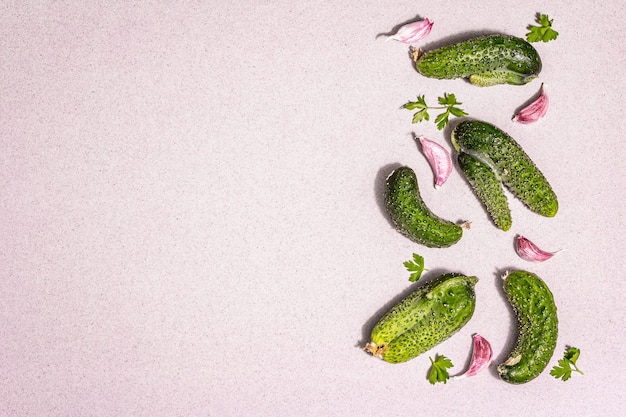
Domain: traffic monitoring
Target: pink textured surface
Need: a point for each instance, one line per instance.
(191, 222)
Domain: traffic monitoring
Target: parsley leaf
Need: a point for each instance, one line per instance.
(448, 100)
(419, 104)
(448, 103)
(438, 371)
(564, 369)
(416, 266)
(421, 116)
(442, 120)
(542, 33)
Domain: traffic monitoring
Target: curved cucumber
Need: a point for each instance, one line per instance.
(425, 318)
(486, 60)
(412, 217)
(534, 307)
(509, 162)
(488, 189)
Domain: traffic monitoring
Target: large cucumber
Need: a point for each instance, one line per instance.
(533, 304)
(412, 217)
(486, 60)
(509, 162)
(426, 317)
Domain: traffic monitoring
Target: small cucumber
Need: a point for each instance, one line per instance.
(412, 217)
(426, 317)
(509, 162)
(487, 187)
(533, 304)
(486, 60)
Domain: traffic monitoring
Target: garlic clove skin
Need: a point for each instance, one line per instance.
(481, 357)
(413, 32)
(528, 251)
(535, 110)
(439, 160)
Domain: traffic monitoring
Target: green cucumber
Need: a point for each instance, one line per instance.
(509, 162)
(487, 187)
(426, 317)
(412, 217)
(533, 304)
(486, 60)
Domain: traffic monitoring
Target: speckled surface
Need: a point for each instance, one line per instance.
(192, 221)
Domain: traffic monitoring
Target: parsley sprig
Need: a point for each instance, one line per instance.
(439, 369)
(416, 267)
(567, 365)
(543, 32)
(448, 103)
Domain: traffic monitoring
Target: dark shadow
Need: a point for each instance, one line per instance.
(513, 331)
(366, 330)
(468, 360)
(514, 242)
(529, 101)
(419, 147)
(458, 37)
(380, 189)
(447, 132)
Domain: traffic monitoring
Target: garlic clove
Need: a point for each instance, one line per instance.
(528, 251)
(413, 32)
(481, 357)
(535, 110)
(439, 160)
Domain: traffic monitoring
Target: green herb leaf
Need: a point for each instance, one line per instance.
(448, 100)
(438, 370)
(421, 116)
(572, 354)
(457, 112)
(542, 33)
(416, 266)
(448, 103)
(442, 120)
(567, 365)
(419, 104)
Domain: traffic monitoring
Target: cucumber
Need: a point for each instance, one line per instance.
(487, 187)
(533, 304)
(509, 162)
(412, 217)
(485, 61)
(426, 317)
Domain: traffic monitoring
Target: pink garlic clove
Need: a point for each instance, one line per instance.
(535, 110)
(413, 32)
(481, 357)
(439, 160)
(527, 250)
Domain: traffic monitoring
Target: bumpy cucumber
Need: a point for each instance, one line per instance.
(426, 317)
(412, 217)
(486, 60)
(509, 162)
(487, 187)
(534, 307)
